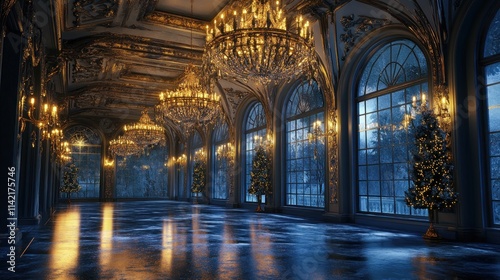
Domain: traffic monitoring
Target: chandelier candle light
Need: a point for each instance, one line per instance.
(260, 44)
(190, 103)
(123, 146)
(145, 132)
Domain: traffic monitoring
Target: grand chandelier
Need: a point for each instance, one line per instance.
(145, 132)
(123, 146)
(190, 103)
(259, 43)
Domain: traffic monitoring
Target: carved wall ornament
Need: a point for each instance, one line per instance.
(333, 163)
(357, 28)
(96, 69)
(234, 98)
(86, 11)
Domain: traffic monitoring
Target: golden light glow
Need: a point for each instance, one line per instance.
(190, 103)
(257, 44)
(261, 244)
(124, 146)
(65, 242)
(228, 257)
(109, 163)
(167, 246)
(106, 249)
(145, 132)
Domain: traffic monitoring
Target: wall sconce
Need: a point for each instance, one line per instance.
(225, 151)
(317, 133)
(62, 152)
(444, 113)
(109, 163)
(200, 155)
(181, 160)
(266, 143)
(48, 117)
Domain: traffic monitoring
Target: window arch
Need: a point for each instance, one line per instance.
(85, 145)
(393, 75)
(491, 67)
(220, 180)
(305, 149)
(254, 126)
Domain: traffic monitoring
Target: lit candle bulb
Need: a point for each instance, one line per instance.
(423, 98)
(32, 101)
(414, 101)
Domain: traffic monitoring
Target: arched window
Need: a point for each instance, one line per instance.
(195, 151)
(491, 66)
(220, 181)
(305, 147)
(144, 175)
(255, 126)
(393, 75)
(85, 147)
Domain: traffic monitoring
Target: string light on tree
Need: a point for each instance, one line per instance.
(432, 168)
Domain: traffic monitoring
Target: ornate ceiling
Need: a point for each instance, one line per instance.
(110, 59)
(120, 54)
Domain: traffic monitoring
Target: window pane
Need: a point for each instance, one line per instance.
(397, 62)
(255, 126)
(143, 176)
(85, 147)
(383, 142)
(305, 154)
(492, 43)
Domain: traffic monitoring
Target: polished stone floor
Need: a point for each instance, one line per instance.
(177, 240)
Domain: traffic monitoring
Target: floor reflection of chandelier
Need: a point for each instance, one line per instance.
(123, 146)
(145, 132)
(190, 103)
(259, 44)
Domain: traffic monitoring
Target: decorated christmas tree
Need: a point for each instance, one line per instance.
(199, 177)
(260, 176)
(70, 180)
(432, 169)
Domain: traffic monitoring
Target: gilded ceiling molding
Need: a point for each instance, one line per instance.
(357, 28)
(87, 11)
(130, 46)
(176, 21)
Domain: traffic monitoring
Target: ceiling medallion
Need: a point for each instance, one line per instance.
(258, 43)
(145, 132)
(190, 104)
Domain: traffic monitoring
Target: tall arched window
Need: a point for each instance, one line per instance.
(85, 147)
(393, 75)
(144, 175)
(255, 125)
(220, 181)
(305, 147)
(491, 66)
(195, 148)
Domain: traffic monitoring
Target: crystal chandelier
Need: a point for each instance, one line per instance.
(145, 132)
(123, 146)
(259, 44)
(190, 103)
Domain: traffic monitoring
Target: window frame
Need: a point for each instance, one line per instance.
(357, 98)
